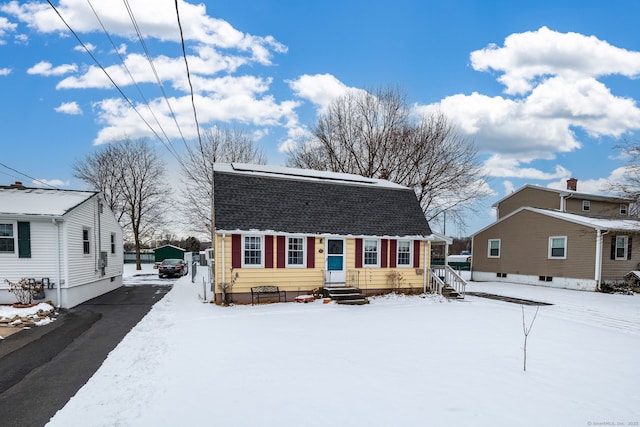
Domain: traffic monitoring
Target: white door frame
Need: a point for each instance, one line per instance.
(336, 277)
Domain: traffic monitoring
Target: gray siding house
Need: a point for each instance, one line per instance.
(69, 237)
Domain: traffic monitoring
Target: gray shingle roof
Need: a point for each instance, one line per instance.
(321, 206)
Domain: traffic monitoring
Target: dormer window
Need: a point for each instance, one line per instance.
(623, 209)
(586, 205)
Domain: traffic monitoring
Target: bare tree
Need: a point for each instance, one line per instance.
(375, 135)
(130, 174)
(218, 145)
(629, 186)
(526, 332)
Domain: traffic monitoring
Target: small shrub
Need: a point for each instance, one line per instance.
(23, 290)
(395, 280)
(616, 287)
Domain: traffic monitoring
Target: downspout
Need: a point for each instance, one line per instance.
(427, 244)
(222, 275)
(58, 272)
(599, 252)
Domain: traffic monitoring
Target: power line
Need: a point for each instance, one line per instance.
(27, 176)
(186, 63)
(110, 79)
(124, 65)
(148, 55)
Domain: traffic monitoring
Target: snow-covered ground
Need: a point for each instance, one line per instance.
(399, 361)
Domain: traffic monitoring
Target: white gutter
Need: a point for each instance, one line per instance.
(57, 222)
(427, 244)
(222, 275)
(598, 266)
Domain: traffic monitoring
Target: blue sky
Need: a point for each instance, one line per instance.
(545, 89)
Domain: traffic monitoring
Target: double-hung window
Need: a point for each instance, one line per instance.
(586, 205)
(558, 247)
(252, 251)
(86, 242)
(623, 209)
(622, 243)
(493, 250)
(370, 253)
(113, 243)
(295, 252)
(7, 238)
(404, 253)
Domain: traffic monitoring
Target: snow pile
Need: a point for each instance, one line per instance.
(403, 361)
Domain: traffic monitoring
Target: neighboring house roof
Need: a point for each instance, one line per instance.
(597, 223)
(287, 200)
(566, 193)
(169, 246)
(40, 201)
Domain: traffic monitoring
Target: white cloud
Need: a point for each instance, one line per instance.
(50, 183)
(320, 89)
(5, 71)
(534, 55)
(71, 108)
(500, 166)
(44, 68)
(6, 27)
(21, 39)
(86, 46)
(508, 187)
(594, 186)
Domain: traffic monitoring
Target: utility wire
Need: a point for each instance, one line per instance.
(109, 77)
(124, 65)
(186, 63)
(25, 175)
(158, 80)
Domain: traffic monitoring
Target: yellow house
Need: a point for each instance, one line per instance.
(306, 231)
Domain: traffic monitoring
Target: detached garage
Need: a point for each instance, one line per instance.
(168, 252)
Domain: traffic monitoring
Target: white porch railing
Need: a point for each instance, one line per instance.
(441, 276)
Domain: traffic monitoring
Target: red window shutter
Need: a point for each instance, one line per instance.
(393, 250)
(358, 253)
(281, 252)
(236, 251)
(416, 253)
(268, 251)
(384, 253)
(311, 252)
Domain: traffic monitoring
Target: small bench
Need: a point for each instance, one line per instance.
(266, 291)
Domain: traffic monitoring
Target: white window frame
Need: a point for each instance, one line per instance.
(14, 236)
(489, 248)
(86, 242)
(586, 205)
(409, 264)
(625, 241)
(624, 209)
(304, 252)
(364, 253)
(550, 249)
(244, 250)
(112, 243)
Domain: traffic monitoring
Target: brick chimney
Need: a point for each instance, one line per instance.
(572, 184)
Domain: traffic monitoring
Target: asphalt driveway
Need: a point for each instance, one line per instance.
(42, 368)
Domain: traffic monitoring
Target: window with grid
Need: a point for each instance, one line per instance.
(586, 205)
(252, 250)
(86, 243)
(558, 247)
(370, 252)
(494, 248)
(7, 241)
(622, 243)
(295, 251)
(404, 253)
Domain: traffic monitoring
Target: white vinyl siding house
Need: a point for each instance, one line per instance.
(55, 227)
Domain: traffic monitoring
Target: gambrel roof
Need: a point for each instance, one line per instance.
(287, 200)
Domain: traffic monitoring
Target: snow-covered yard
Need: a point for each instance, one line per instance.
(399, 361)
